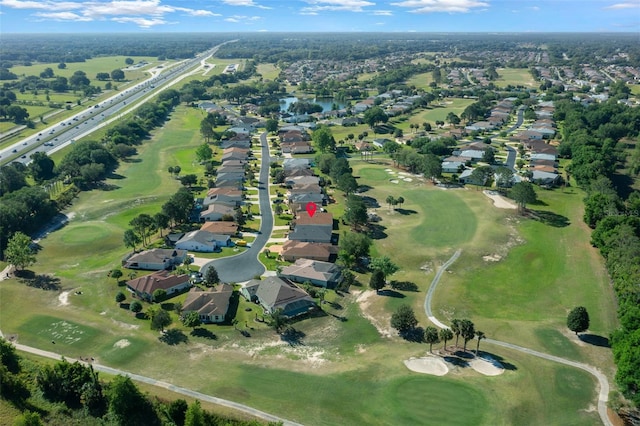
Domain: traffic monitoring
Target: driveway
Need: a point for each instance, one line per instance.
(246, 265)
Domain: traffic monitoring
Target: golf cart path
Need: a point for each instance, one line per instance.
(603, 391)
(184, 391)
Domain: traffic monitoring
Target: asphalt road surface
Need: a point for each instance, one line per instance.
(246, 265)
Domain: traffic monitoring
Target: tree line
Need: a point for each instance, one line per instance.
(74, 393)
(598, 138)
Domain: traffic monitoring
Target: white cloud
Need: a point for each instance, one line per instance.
(383, 13)
(242, 18)
(623, 6)
(246, 3)
(534, 8)
(141, 22)
(335, 5)
(144, 13)
(63, 16)
(432, 6)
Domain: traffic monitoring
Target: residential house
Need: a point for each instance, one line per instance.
(275, 293)
(544, 178)
(155, 259)
(212, 306)
(321, 274)
(549, 157)
(216, 212)
(221, 228)
(172, 238)
(221, 199)
(452, 166)
(236, 154)
(203, 241)
(236, 142)
(299, 202)
(144, 287)
(296, 163)
(530, 134)
(301, 180)
(293, 250)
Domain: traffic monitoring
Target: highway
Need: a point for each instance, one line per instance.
(105, 112)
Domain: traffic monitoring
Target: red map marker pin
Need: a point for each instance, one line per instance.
(311, 208)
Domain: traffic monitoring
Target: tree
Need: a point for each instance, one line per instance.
(347, 183)
(481, 175)
(116, 274)
(452, 118)
(191, 319)
(377, 282)
(523, 194)
(28, 418)
(277, 320)
(117, 75)
(375, 115)
(128, 405)
(488, 156)
(79, 79)
(455, 328)
(143, 224)
(504, 177)
(161, 320)
(161, 221)
(159, 295)
(479, 335)
(272, 125)
(356, 211)
(578, 320)
(445, 334)
(18, 252)
(354, 244)
(41, 167)
(404, 319)
(128, 61)
(323, 139)
(211, 277)
(204, 153)
(391, 201)
(400, 201)
(102, 76)
(177, 410)
(468, 332)
(135, 307)
(120, 297)
(384, 265)
(131, 239)
(194, 415)
(431, 336)
(189, 180)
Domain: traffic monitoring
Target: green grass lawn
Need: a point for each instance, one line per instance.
(515, 77)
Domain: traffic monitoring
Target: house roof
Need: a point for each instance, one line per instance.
(202, 237)
(293, 248)
(319, 218)
(310, 233)
(301, 180)
(210, 302)
(220, 227)
(158, 280)
(156, 255)
(306, 188)
(276, 291)
(307, 198)
(217, 208)
(311, 269)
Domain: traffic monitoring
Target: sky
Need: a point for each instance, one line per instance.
(90, 16)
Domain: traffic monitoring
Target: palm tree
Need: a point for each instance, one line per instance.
(278, 320)
(455, 328)
(431, 336)
(445, 334)
(468, 331)
(480, 335)
(400, 201)
(390, 201)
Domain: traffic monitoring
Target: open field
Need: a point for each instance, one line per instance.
(515, 77)
(421, 81)
(344, 371)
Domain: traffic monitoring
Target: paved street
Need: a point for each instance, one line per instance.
(246, 265)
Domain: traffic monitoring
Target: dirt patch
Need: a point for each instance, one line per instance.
(63, 298)
(492, 258)
(364, 300)
(427, 365)
(121, 344)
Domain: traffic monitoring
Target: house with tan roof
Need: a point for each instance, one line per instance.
(216, 212)
(221, 227)
(212, 306)
(145, 286)
(318, 273)
(294, 250)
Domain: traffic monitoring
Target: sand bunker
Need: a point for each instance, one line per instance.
(487, 366)
(122, 343)
(407, 180)
(427, 365)
(499, 201)
(394, 181)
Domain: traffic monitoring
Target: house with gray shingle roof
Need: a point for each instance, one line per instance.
(145, 286)
(211, 305)
(274, 293)
(155, 259)
(318, 273)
